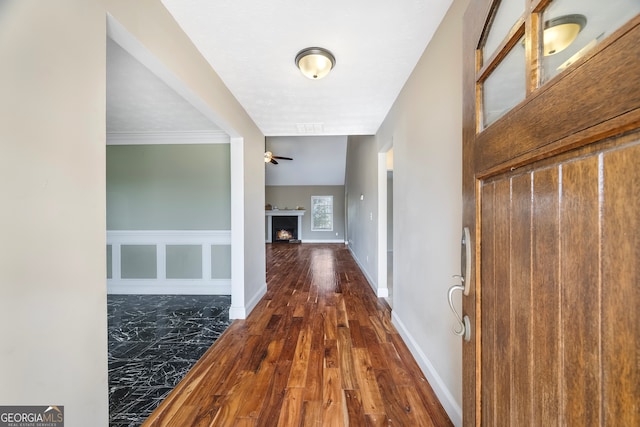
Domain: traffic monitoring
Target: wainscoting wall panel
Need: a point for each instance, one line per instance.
(195, 262)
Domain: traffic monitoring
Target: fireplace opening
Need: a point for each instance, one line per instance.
(285, 235)
(285, 229)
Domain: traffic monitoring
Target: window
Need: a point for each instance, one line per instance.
(321, 213)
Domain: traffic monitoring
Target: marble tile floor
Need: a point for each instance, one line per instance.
(153, 342)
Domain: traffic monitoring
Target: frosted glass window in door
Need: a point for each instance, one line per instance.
(505, 87)
(572, 28)
(508, 13)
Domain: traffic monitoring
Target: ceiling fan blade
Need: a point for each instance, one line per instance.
(282, 158)
(273, 161)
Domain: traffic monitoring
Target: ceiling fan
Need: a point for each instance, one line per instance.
(270, 158)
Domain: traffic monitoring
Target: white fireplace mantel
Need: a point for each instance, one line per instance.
(283, 212)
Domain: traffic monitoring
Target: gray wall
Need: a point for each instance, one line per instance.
(168, 187)
(292, 196)
(362, 203)
(425, 125)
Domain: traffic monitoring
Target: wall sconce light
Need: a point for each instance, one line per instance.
(560, 32)
(315, 62)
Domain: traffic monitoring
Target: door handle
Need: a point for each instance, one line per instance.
(464, 324)
(465, 259)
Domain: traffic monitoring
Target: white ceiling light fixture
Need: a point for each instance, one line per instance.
(560, 32)
(315, 62)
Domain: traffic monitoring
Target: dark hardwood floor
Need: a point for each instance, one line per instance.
(318, 350)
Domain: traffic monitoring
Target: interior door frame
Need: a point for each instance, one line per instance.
(559, 128)
(119, 34)
(383, 288)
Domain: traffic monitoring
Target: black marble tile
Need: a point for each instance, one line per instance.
(143, 400)
(137, 333)
(126, 350)
(154, 340)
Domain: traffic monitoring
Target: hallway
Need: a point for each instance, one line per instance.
(319, 349)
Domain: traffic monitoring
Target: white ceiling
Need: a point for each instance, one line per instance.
(140, 102)
(252, 46)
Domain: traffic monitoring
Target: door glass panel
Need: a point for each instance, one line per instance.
(505, 86)
(573, 27)
(509, 11)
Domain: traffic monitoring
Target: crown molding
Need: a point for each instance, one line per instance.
(155, 138)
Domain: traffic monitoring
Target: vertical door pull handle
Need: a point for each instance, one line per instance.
(465, 259)
(460, 329)
(464, 324)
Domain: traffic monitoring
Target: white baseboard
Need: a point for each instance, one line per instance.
(451, 406)
(169, 287)
(243, 312)
(237, 313)
(380, 292)
(373, 285)
(323, 241)
(256, 298)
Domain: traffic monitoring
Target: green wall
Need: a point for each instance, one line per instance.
(168, 187)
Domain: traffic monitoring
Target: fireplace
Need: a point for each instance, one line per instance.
(284, 229)
(292, 225)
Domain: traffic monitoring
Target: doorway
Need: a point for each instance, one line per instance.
(163, 154)
(390, 226)
(385, 223)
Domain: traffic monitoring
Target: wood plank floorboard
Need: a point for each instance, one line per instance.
(318, 350)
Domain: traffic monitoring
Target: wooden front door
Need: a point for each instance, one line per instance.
(551, 191)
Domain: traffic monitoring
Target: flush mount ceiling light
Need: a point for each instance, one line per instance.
(315, 62)
(560, 32)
